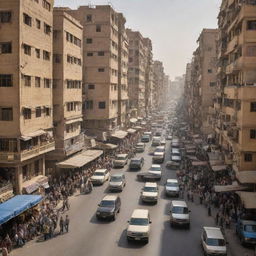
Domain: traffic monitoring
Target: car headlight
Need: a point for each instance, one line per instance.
(246, 238)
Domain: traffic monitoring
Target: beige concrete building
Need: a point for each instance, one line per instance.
(234, 116)
(103, 27)
(26, 118)
(67, 86)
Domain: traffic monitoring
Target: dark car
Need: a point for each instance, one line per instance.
(136, 163)
(109, 207)
(147, 176)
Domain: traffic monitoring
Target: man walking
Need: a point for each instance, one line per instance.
(61, 225)
(67, 223)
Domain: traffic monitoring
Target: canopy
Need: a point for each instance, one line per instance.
(133, 120)
(16, 205)
(75, 120)
(105, 146)
(80, 160)
(131, 131)
(229, 188)
(215, 156)
(199, 163)
(248, 199)
(119, 134)
(246, 176)
(138, 127)
(219, 168)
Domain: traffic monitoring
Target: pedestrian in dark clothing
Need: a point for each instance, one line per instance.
(67, 223)
(61, 225)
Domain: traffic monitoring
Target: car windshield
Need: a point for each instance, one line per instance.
(120, 158)
(98, 174)
(250, 228)
(180, 210)
(116, 178)
(159, 150)
(172, 184)
(150, 189)
(215, 242)
(139, 221)
(135, 161)
(153, 168)
(107, 203)
(139, 146)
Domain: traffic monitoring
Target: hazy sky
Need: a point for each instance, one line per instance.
(172, 25)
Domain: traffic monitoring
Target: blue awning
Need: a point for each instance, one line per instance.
(17, 205)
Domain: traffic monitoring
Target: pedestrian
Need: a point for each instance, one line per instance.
(209, 209)
(217, 218)
(61, 225)
(67, 223)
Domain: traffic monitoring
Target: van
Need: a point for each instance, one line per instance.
(179, 214)
(139, 226)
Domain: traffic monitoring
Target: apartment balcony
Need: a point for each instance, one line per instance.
(232, 44)
(247, 11)
(33, 151)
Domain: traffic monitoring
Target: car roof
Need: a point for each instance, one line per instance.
(150, 184)
(140, 213)
(172, 180)
(156, 138)
(121, 155)
(147, 133)
(110, 197)
(213, 232)
(161, 147)
(117, 175)
(136, 158)
(100, 170)
(156, 165)
(140, 143)
(179, 203)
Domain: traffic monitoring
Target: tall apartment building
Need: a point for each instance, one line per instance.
(136, 72)
(26, 118)
(235, 104)
(67, 86)
(103, 27)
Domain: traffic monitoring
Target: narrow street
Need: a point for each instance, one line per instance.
(88, 236)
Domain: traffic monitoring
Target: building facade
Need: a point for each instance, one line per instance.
(26, 110)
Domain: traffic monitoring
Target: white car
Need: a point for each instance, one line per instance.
(156, 169)
(139, 226)
(100, 176)
(213, 241)
(150, 192)
(159, 154)
(179, 214)
(120, 160)
(172, 187)
(140, 147)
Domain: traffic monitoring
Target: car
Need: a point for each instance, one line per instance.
(158, 133)
(172, 187)
(140, 147)
(156, 169)
(148, 133)
(149, 192)
(169, 137)
(139, 226)
(108, 208)
(120, 160)
(156, 141)
(179, 214)
(246, 231)
(175, 145)
(117, 182)
(213, 241)
(172, 165)
(145, 138)
(136, 163)
(100, 176)
(147, 176)
(163, 142)
(175, 152)
(176, 158)
(159, 154)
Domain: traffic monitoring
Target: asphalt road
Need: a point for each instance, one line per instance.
(90, 237)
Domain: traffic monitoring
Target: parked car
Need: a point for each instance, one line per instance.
(213, 241)
(120, 160)
(139, 226)
(172, 187)
(145, 138)
(246, 231)
(156, 169)
(163, 142)
(176, 159)
(140, 147)
(117, 182)
(169, 137)
(147, 176)
(172, 165)
(175, 152)
(179, 214)
(158, 133)
(108, 208)
(100, 176)
(136, 163)
(149, 192)
(148, 133)
(159, 154)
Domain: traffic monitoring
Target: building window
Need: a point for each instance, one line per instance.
(6, 81)
(5, 48)
(47, 111)
(253, 106)
(247, 157)
(46, 55)
(212, 84)
(37, 53)
(251, 25)
(251, 51)
(27, 80)
(102, 104)
(57, 58)
(101, 69)
(89, 18)
(89, 104)
(46, 5)
(37, 81)
(38, 23)
(5, 16)
(101, 53)
(27, 19)
(47, 29)
(89, 40)
(27, 49)
(38, 112)
(6, 114)
(130, 59)
(253, 134)
(91, 86)
(98, 28)
(89, 54)
(47, 83)
(27, 113)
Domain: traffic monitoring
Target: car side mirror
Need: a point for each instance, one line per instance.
(189, 211)
(150, 222)
(98, 204)
(128, 221)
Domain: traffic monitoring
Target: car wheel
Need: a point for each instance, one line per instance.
(114, 216)
(147, 240)
(188, 226)
(119, 210)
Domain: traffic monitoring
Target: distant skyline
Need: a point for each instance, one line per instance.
(172, 25)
